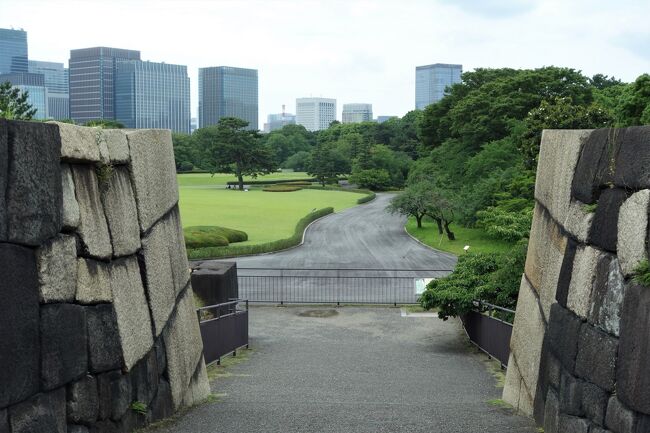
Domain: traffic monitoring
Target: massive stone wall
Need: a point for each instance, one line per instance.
(96, 307)
(580, 349)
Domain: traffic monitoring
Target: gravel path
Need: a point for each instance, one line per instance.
(360, 370)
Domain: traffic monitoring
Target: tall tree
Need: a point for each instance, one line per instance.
(326, 163)
(232, 148)
(13, 103)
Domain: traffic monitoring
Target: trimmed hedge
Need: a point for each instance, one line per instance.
(269, 182)
(281, 188)
(369, 195)
(243, 250)
(211, 236)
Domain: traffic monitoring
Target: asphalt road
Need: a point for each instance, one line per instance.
(360, 370)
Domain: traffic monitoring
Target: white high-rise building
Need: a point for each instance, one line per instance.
(432, 80)
(357, 113)
(315, 113)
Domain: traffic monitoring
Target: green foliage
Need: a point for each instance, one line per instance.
(642, 273)
(242, 250)
(104, 124)
(139, 407)
(634, 104)
(282, 188)
(13, 103)
(326, 163)
(366, 198)
(298, 161)
(377, 179)
(212, 236)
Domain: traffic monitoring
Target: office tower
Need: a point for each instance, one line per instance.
(91, 76)
(315, 113)
(34, 84)
(279, 120)
(152, 95)
(382, 119)
(194, 124)
(432, 80)
(357, 113)
(13, 51)
(56, 82)
(225, 91)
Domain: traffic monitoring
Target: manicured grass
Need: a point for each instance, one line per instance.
(211, 236)
(477, 240)
(204, 180)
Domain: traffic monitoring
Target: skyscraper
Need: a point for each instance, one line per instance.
(432, 80)
(315, 113)
(13, 51)
(34, 85)
(278, 120)
(56, 82)
(152, 95)
(225, 91)
(357, 113)
(92, 72)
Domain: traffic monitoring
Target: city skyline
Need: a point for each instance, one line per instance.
(299, 51)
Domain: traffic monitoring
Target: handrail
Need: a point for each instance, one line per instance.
(218, 307)
(493, 307)
(345, 269)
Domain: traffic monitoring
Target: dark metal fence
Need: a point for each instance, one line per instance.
(334, 286)
(486, 328)
(224, 328)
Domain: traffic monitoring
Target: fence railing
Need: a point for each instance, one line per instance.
(488, 331)
(224, 328)
(335, 286)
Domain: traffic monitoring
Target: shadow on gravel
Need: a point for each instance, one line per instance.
(320, 314)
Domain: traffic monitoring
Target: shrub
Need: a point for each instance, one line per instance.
(212, 236)
(369, 195)
(642, 273)
(270, 182)
(281, 188)
(376, 179)
(366, 198)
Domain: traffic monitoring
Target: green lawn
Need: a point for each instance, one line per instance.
(264, 216)
(477, 240)
(206, 179)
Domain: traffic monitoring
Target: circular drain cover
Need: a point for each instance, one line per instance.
(318, 313)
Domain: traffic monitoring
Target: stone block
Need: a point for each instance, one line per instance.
(121, 213)
(597, 429)
(93, 282)
(177, 252)
(619, 418)
(549, 378)
(144, 378)
(161, 406)
(4, 418)
(153, 171)
(604, 228)
(105, 426)
(563, 332)
(57, 269)
(34, 196)
(551, 413)
(118, 146)
(115, 395)
(93, 228)
(133, 320)
(578, 220)
(4, 177)
(582, 280)
(161, 357)
(633, 381)
(596, 360)
(83, 401)
(19, 324)
(564, 279)
(633, 231)
(71, 218)
(596, 165)
(514, 392)
(572, 424)
(76, 428)
(633, 162)
(79, 143)
(199, 388)
(607, 296)
(42, 413)
(594, 402)
(104, 346)
(184, 347)
(570, 395)
(64, 348)
(558, 157)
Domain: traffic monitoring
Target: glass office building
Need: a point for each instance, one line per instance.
(56, 82)
(91, 77)
(278, 121)
(34, 85)
(13, 51)
(432, 80)
(357, 113)
(225, 91)
(152, 95)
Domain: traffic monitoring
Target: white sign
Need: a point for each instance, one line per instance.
(421, 284)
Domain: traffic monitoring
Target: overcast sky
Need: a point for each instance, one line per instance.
(354, 51)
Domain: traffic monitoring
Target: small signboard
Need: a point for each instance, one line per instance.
(421, 284)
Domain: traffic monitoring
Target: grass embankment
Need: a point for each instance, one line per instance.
(204, 180)
(476, 238)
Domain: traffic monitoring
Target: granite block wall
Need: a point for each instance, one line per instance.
(97, 311)
(580, 350)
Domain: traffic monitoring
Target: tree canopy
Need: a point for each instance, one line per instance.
(13, 103)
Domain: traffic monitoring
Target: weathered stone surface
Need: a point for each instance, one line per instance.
(115, 395)
(82, 401)
(578, 220)
(632, 231)
(121, 213)
(154, 174)
(607, 296)
(564, 279)
(594, 402)
(582, 280)
(63, 344)
(596, 165)
(549, 379)
(161, 406)
(144, 378)
(161, 357)
(596, 360)
(19, 324)
(105, 426)
(177, 252)
(619, 418)
(570, 395)
(514, 391)
(104, 348)
(4, 174)
(597, 429)
(604, 230)
(76, 428)
(43, 413)
(184, 347)
(551, 413)
(57, 269)
(4, 418)
(573, 424)
(133, 320)
(79, 143)
(527, 338)
(118, 146)
(93, 228)
(71, 218)
(633, 162)
(93, 282)
(199, 388)
(563, 332)
(633, 380)
(34, 196)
